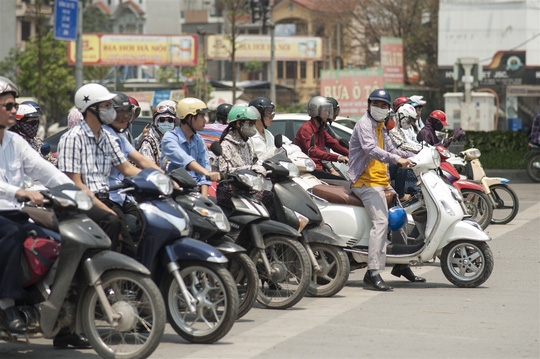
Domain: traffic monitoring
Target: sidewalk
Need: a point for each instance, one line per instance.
(515, 176)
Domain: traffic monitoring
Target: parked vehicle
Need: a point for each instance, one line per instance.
(533, 162)
(210, 225)
(107, 295)
(200, 294)
(504, 200)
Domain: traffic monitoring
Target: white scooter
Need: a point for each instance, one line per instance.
(466, 259)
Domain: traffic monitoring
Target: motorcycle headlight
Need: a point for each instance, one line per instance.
(472, 154)
(80, 198)
(217, 217)
(291, 167)
(256, 182)
(162, 182)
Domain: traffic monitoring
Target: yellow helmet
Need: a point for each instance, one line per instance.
(190, 106)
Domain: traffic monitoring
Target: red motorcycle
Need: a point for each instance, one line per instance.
(475, 199)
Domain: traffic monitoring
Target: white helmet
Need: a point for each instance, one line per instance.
(91, 94)
(405, 111)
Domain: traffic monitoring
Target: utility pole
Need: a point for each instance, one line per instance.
(78, 48)
(262, 10)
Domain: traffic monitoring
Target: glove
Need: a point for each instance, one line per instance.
(259, 169)
(459, 135)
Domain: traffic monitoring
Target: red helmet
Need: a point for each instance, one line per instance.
(398, 102)
(136, 106)
(439, 115)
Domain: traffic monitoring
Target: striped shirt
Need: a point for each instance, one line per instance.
(80, 152)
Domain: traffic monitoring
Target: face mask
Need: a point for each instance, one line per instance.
(165, 126)
(28, 129)
(378, 114)
(107, 116)
(405, 124)
(437, 125)
(248, 130)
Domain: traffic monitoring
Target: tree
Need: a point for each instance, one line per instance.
(415, 21)
(95, 22)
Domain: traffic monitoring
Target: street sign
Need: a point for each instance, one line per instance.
(65, 19)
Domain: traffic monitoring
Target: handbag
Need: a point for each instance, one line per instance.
(39, 254)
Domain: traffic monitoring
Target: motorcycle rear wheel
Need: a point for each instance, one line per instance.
(467, 264)
(137, 299)
(533, 167)
(217, 302)
(335, 268)
(245, 275)
(292, 271)
(478, 206)
(506, 204)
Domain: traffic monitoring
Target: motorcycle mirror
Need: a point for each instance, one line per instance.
(344, 142)
(278, 140)
(45, 149)
(420, 137)
(215, 147)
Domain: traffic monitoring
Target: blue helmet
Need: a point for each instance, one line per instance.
(380, 95)
(397, 218)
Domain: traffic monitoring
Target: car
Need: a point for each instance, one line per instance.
(288, 124)
(135, 130)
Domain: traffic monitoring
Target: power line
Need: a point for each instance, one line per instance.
(516, 47)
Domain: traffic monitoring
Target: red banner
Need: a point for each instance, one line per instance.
(392, 61)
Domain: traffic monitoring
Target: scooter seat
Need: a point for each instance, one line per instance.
(342, 195)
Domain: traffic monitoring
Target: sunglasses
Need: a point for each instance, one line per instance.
(250, 122)
(9, 106)
(168, 119)
(165, 108)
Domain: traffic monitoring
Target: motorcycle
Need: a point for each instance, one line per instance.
(477, 202)
(466, 259)
(504, 200)
(533, 162)
(200, 294)
(107, 295)
(282, 263)
(210, 225)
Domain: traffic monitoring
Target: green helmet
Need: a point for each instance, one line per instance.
(243, 112)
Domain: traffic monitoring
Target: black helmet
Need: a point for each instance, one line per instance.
(222, 111)
(265, 107)
(121, 101)
(335, 105)
(380, 95)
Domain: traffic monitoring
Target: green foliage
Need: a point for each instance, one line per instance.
(253, 66)
(7, 67)
(95, 21)
(500, 149)
(292, 108)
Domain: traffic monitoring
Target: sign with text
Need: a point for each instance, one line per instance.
(392, 62)
(134, 50)
(351, 88)
(257, 47)
(65, 19)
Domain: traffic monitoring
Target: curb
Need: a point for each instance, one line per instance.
(515, 176)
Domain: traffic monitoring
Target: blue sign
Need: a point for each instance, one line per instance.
(65, 19)
(161, 95)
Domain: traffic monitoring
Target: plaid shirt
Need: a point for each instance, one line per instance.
(80, 152)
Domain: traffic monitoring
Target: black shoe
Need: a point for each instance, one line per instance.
(76, 341)
(376, 282)
(404, 270)
(13, 320)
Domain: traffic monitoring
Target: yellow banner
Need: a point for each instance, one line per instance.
(257, 47)
(137, 50)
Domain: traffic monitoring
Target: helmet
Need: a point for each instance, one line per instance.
(397, 217)
(223, 110)
(335, 105)
(7, 86)
(28, 109)
(439, 115)
(121, 102)
(191, 106)
(317, 103)
(418, 100)
(398, 102)
(243, 112)
(136, 106)
(380, 95)
(91, 94)
(406, 110)
(262, 104)
(167, 106)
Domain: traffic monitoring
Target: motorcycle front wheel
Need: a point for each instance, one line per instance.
(334, 272)
(137, 302)
(478, 206)
(533, 167)
(467, 264)
(216, 302)
(506, 204)
(290, 273)
(245, 275)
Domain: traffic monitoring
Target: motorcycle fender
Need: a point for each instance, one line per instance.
(103, 261)
(260, 229)
(461, 184)
(323, 235)
(462, 230)
(189, 249)
(226, 247)
(490, 181)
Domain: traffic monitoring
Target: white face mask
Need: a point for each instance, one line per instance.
(405, 124)
(107, 116)
(165, 126)
(248, 130)
(378, 114)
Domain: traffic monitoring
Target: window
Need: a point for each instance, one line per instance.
(280, 69)
(291, 69)
(303, 70)
(26, 30)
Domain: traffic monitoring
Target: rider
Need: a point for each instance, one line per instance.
(222, 111)
(320, 111)
(435, 122)
(164, 120)
(371, 149)
(185, 147)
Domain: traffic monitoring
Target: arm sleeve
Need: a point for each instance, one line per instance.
(334, 145)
